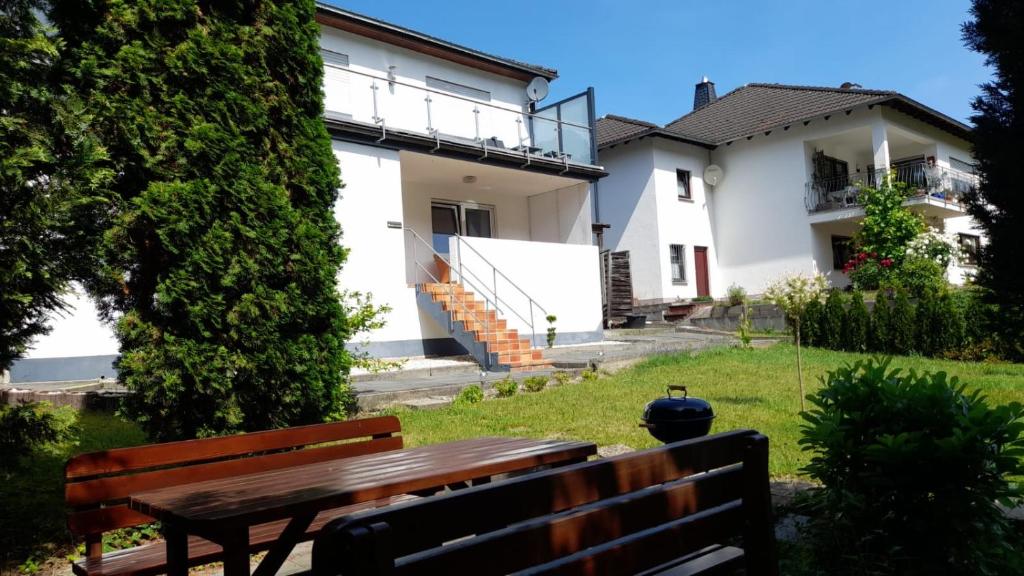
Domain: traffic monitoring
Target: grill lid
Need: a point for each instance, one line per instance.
(677, 409)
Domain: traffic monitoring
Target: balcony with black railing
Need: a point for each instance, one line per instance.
(930, 184)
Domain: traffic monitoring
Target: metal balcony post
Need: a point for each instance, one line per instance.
(430, 123)
(376, 116)
(476, 120)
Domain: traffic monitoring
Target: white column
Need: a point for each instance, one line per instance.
(880, 144)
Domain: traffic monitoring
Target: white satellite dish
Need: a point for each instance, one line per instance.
(537, 89)
(713, 174)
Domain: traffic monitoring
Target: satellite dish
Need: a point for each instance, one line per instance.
(713, 174)
(537, 89)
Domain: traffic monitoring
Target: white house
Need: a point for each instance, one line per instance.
(466, 204)
(787, 161)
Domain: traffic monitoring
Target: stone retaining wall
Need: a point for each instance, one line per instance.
(763, 318)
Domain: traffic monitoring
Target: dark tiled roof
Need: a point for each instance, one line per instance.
(757, 108)
(612, 129)
(549, 73)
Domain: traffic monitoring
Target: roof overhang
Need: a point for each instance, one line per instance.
(398, 36)
(928, 115)
(372, 135)
(654, 133)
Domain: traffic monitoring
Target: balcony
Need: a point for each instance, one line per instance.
(937, 190)
(389, 109)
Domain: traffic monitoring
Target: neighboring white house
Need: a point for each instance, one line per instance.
(450, 170)
(789, 159)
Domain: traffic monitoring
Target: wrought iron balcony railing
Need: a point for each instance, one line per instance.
(933, 182)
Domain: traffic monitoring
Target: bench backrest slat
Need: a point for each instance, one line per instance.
(97, 484)
(121, 460)
(476, 510)
(554, 536)
(677, 498)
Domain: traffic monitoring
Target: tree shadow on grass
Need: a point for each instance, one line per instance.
(33, 519)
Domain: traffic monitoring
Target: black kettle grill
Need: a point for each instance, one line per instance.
(672, 419)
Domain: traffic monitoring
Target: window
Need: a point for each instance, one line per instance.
(969, 244)
(677, 255)
(842, 251)
(334, 59)
(337, 87)
(460, 89)
(958, 164)
(683, 184)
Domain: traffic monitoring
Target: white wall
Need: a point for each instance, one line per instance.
(685, 222)
(76, 332)
(629, 206)
(404, 107)
(561, 278)
(562, 215)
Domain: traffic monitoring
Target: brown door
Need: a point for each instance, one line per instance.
(700, 262)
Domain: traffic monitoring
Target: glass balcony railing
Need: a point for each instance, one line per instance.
(562, 131)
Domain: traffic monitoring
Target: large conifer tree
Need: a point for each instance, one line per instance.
(221, 260)
(998, 206)
(52, 182)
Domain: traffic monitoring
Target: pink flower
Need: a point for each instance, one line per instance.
(886, 262)
(874, 254)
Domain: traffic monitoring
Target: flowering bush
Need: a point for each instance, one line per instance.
(933, 245)
(867, 270)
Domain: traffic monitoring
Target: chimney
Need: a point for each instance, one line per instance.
(704, 94)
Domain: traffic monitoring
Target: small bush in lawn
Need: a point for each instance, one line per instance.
(506, 388)
(901, 325)
(912, 466)
(535, 383)
(589, 375)
(736, 295)
(29, 425)
(562, 377)
(880, 332)
(855, 324)
(831, 321)
(470, 395)
(810, 327)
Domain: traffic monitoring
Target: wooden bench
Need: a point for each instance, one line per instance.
(674, 510)
(97, 484)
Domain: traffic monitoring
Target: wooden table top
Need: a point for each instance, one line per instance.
(267, 496)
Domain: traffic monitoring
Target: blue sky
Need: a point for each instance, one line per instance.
(644, 56)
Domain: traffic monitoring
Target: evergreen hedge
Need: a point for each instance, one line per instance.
(222, 253)
(856, 324)
(902, 323)
(830, 330)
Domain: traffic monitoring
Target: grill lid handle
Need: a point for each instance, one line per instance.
(676, 387)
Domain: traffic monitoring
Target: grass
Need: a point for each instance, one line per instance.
(32, 515)
(747, 389)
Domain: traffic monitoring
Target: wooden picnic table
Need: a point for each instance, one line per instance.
(223, 511)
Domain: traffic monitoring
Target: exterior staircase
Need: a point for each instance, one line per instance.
(479, 329)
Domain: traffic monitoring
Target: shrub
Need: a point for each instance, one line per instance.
(880, 334)
(812, 323)
(535, 383)
(793, 294)
(471, 394)
(912, 466)
(589, 375)
(831, 321)
(918, 275)
(855, 324)
(29, 425)
(552, 331)
(888, 226)
(745, 327)
(562, 377)
(901, 325)
(702, 299)
(506, 388)
(736, 295)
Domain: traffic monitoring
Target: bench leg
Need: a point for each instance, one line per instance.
(286, 542)
(236, 552)
(177, 550)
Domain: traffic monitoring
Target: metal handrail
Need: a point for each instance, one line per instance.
(494, 291)
(488, 304)
(844, 189)
(463, 98)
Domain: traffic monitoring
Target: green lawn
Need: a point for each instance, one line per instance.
(748, 389)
